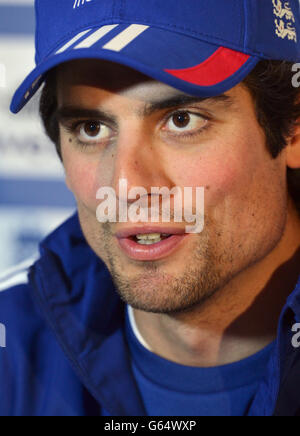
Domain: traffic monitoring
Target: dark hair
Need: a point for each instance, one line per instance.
(277, 105)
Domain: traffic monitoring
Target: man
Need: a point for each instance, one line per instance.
(139, 318)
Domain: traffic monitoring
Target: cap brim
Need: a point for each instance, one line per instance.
(185, 63)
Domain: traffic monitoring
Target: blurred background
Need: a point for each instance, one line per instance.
(33, 196)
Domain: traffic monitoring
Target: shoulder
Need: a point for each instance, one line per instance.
(31, 362)
(14, 284)
(16, 276)
(19, 313)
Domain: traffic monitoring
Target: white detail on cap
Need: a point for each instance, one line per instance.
(125, 37)
(72, 41)
(96, 36)
(78, 3)
(35, 83)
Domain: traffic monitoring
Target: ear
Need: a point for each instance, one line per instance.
(293, 150)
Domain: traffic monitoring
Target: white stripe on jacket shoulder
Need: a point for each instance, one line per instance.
(17, 275)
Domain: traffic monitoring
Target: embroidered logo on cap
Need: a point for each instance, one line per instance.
(284, 21)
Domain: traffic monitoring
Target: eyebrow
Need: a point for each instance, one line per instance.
(184, 100)
(70, 112)
(67, 113)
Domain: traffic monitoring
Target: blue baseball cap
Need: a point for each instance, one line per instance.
(201, 47)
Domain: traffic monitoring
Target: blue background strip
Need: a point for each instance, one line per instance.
(43, 193)
(17, 20)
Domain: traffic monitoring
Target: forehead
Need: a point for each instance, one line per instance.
(105, 75)
(86, 81)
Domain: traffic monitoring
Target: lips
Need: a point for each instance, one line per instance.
(128, 242)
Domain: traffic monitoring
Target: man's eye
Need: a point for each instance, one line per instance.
(93, 131)
(185, 122)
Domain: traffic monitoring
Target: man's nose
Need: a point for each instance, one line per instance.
(138, 161)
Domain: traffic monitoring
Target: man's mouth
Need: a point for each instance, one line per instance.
(148, 243)
(151, 238)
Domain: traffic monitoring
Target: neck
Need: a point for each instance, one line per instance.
(237, 321)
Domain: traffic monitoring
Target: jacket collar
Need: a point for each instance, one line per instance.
(76, 295)
(278, 391)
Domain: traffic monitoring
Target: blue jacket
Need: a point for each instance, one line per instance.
(66, 353)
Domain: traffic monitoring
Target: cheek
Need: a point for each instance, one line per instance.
(83, 179)
(230, 169)
(220, 173)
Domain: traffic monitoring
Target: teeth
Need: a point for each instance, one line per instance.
(145, 242)
(150, 238)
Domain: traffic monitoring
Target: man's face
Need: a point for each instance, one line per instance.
(124, 127)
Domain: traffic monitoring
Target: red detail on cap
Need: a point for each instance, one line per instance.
(217, 68)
